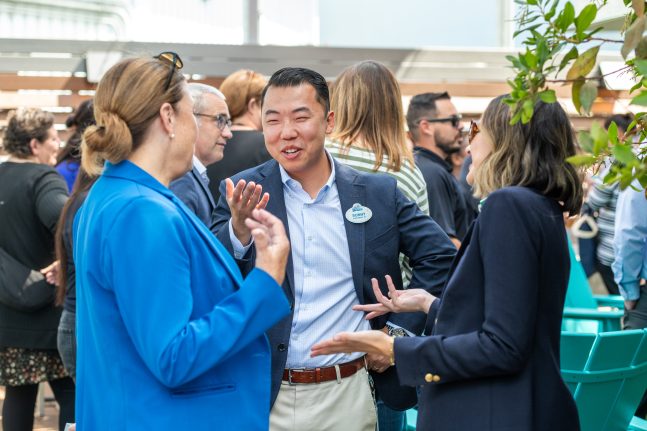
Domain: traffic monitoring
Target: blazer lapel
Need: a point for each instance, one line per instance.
(273, 185)
(349, 194)
(205, 189)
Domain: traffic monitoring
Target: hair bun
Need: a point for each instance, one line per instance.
(109, 140)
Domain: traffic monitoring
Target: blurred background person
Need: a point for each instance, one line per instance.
(68, 160)
(369, 136)
(601, 203)
(170, 336)
(66, 286)
(32, 195)
(246, 148)
(214, 130)
(491, 360)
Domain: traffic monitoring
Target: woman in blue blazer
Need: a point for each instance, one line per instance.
(491, 359)
(169, 334)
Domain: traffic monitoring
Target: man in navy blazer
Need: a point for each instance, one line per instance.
(345, 227)
(212, 114)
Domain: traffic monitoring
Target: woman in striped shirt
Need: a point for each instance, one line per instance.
(369, 136)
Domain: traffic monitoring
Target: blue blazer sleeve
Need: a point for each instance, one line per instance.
(509, 250)
(149, 283)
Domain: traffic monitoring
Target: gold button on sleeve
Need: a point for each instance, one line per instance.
(436, 378)
(429, 377)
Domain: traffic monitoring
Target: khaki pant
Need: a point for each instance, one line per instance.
(329, 406)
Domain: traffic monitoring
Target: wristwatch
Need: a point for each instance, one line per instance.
(394, 331)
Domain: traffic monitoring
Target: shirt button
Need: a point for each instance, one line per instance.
(309, 238)
(429, 377)
(281, 347)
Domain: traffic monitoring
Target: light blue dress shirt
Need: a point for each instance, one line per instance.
(630, 242)
(324, 292)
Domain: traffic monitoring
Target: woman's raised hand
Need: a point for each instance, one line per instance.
(272, 244)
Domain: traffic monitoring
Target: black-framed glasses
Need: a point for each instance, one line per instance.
(472, 131)
(454, 119)
(221, 120)
(174, 61)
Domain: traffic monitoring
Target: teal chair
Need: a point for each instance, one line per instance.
(412, 418)
(585, 312)
(607, 375)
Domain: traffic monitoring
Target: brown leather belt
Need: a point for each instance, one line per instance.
(325, 374)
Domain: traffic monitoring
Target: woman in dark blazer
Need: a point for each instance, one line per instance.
(491, 360)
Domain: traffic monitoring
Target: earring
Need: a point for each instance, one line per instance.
(171, 135)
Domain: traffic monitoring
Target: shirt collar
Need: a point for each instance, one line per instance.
(433, 157)
(291, 183)
(198, 165)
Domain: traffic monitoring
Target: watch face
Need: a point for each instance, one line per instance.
(397, 332)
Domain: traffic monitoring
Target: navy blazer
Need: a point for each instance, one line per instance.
(194, 191)
(397, 225)
(492, 360)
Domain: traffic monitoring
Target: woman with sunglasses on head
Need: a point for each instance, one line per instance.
(491, 357)
(170, 336)
(246, 148)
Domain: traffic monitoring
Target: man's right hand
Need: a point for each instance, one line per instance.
(272, 244)
(242, 200)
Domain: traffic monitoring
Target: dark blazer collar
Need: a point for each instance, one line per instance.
(204, 186)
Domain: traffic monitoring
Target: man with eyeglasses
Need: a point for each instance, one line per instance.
(214, 129)
(435, 130)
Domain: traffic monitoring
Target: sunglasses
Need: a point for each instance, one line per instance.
(221, 120)
(174, 61)
(454, 119)
(473, 131)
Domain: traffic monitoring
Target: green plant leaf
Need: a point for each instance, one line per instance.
(584, 63)
(588, 93)
(585, 18)
(565, 17)
(641, 99)
(575, 93)
(548, 96)
(639, 7)
(586, 141)
(633, 36)
(624, 154)
(612, 130)
(570, 55)
(641, 66)
(581, 160)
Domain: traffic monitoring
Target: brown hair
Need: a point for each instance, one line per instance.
(24, 125)
(530, 155)
(239, 88)
(367, 103)
(127, 101)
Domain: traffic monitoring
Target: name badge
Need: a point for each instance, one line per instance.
(359, 214)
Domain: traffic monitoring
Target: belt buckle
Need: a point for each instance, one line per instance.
(290, 374)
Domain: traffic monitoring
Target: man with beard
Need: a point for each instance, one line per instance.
(435, 130)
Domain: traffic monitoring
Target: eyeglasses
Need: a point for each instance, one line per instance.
(454, 119)
(174, 61)
(473, 131)
(221, 120)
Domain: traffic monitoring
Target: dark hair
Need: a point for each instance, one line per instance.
(422, 106)
(24, 125)
(80, 190)
(530, 155)
(296, 76)
(81, 119)
(622, 121)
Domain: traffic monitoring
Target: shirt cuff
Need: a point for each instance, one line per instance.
(630, 291)
(240, 250)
